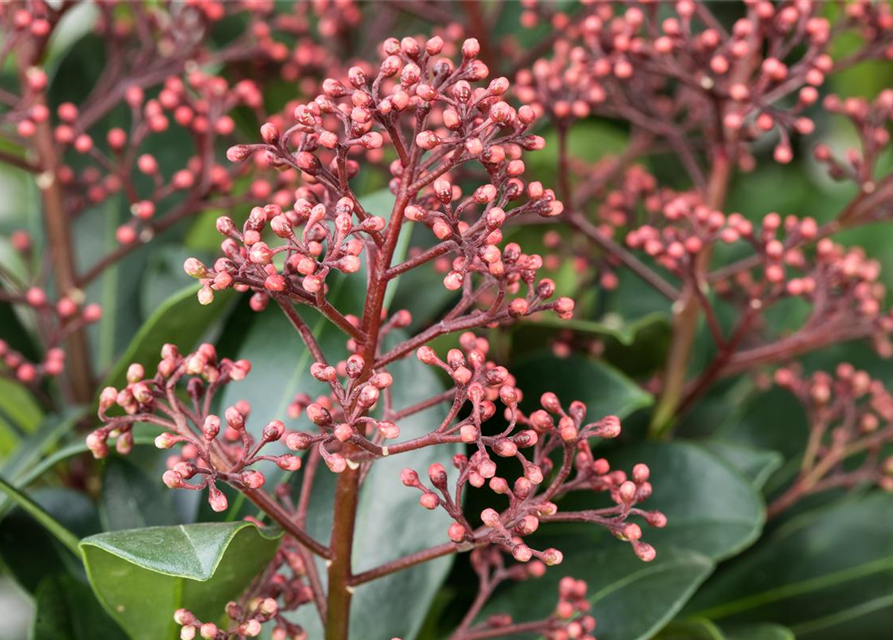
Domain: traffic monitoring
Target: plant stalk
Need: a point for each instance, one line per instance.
(79, 374)
(686, 314)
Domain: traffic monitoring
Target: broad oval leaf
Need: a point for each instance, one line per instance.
(603, 389)
(826, 574)
(631, 599)
(711, 508)
(141, 576)
(67, 610)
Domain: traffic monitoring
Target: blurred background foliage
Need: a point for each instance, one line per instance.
(825, 571)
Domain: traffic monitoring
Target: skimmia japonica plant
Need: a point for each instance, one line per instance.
(517, 323)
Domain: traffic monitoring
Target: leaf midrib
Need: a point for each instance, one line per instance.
(797, 588)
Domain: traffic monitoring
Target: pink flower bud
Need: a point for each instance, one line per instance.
(217, 500)
(457, 532)
(172, 479)
(471, 48)
(253, 479)
(552, 557)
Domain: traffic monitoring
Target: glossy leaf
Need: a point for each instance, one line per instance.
(131, 499)
(605, 390)
(142, 576)
(711, 508)
(825, 574)
(631, 599)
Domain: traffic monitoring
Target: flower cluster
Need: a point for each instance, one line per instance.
(413, 86)
(569, 620)
(164, 74)
(861, 165)
(283, 588)
(202, 457)
(850, 424)
(57, 319)
(682, 74)
(479, 383)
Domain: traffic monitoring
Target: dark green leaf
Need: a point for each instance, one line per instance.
(826, 574)
(181, 320)
(131, 499)
(67, 610)
(603, 389)
(142, 576)
(631, 599)
(31, 552)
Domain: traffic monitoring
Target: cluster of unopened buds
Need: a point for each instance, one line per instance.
(616, 59)
(282, 589)
(307, 260)
(203, 456)
(247, 623)
(850, 418)
(199, 104)
(480, 383)
(790, 256)
(342, 417)
(569, 621)
(842, 284)
(57, 319)
(471, 124)
(871, 120)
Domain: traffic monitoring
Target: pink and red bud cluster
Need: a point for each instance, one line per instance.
(614, 59)
(842, 283)
(851, 424)
(316, 240)
(870, 120)
(480, 383)
(282, 588)
(57, 320)
(343, 416)
(202, 455)
(246, 622)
